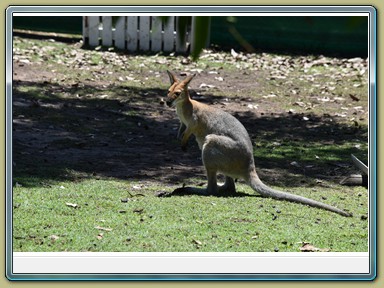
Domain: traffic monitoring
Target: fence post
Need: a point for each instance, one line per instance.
(180, 46)
(132, 40)
(144, 33)
(85, 29)
(120, 32)
(93, 31)
(156, 31)
(107, 31)
(169, 35)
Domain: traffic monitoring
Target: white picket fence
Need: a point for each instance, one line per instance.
(136, 33)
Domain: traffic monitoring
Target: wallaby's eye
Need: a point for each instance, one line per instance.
(177, 94)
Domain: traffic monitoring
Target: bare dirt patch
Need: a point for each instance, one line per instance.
(72, 127)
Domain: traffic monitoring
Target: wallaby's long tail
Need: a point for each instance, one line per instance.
(266, 191)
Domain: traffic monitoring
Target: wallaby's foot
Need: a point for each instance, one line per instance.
(228, 188)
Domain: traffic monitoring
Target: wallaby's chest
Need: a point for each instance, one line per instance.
(180, 114)
(187, 116)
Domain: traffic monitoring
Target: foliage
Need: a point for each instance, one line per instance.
(201, 32)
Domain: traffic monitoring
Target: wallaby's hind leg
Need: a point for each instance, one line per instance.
(215, 151)
(221, 154)
(228, 187)
(212, 188)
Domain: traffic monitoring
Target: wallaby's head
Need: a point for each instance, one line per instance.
(178, 90)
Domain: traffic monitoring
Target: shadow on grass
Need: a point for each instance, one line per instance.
(68, 133)
(190, 191)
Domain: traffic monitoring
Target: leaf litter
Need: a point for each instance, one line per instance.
(308, 247)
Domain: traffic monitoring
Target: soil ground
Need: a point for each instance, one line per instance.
(68, 129)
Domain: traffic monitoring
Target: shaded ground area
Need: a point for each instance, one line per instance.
(74, 130)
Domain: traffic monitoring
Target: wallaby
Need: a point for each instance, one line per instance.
(225, 144)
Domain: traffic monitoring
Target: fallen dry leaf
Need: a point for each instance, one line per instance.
(298, 103)
(53, 238)
(138, 210)
(354, 98)
(308, 247)
(103, 228)
(73, 205)
(234, 53)
(270, 96)
(197, 242)
(250, 106)
(206, 86)
(296, 164)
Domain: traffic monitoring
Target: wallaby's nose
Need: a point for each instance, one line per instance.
(169, 102)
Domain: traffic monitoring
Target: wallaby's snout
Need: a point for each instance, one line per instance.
(171, 98)
(169, 102)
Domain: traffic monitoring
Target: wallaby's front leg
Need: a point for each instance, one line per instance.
(186, 134)
(181, 130)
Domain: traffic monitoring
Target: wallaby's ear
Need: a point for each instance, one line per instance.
(172, 77)
(188, 79)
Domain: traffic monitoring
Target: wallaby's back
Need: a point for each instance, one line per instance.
(218, 122)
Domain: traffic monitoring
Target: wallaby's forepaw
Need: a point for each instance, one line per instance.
(181, 132)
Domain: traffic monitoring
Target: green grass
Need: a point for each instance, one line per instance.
(136, 220)
(310, 152)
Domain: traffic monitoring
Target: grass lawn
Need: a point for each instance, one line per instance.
(102, 215)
